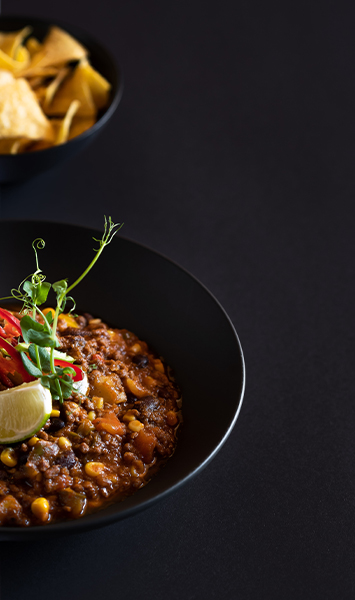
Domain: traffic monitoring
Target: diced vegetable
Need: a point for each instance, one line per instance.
(76, 501)
(145, 444)
(108, 387)
(109, 423)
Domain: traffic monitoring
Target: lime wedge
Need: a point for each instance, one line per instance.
(23, 411)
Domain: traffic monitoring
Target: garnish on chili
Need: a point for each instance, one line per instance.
(64, 364)
(14, 364)
(12, 326)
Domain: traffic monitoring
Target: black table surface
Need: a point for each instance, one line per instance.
(232, 152)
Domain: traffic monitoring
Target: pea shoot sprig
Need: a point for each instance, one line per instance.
(39, 337)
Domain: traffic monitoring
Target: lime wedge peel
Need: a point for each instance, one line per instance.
(24, 409)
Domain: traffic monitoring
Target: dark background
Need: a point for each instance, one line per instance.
(232, 152)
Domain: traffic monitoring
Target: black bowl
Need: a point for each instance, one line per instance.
(136, 288)
(22, 166)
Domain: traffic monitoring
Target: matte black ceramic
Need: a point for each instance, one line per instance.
(23, 166)
(136, 288)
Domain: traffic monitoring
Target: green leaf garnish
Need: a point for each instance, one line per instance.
(49, 318)
(33, 292)
(30, 367)
(35, 332)
(38, 353)
(38, 293)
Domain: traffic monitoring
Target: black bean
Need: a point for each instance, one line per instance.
(67, 459)
(164, 392)
(23, 458)
(141, 360)
(131, 398)
(56, 424)
(63, 413)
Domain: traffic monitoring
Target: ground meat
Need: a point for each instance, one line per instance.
(103, 446)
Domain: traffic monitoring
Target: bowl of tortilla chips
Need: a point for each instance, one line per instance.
(58, 88)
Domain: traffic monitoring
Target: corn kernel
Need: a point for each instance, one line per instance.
(55, 413)
(33, 441)
(93, 469)
(135, 388)
(99, 402)
(128, 417)
(92, 415)
(8, 457)
(136, 348)
(64, 443)
(135, 426)
(159, 365)
(40, 508)
(85, 427)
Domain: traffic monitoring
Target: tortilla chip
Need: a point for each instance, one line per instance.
(33, 45)
(10, 42)
(99, 86)
(79, 125)
(54, 85)
(19, 145)
(63, 132)
(36, 71)
(8, 63)
(5, 77)
(13, 146)
(75, 87)
(41, 145)
(38, 79)
(6, 144)
(20, 114)
(40, 93)
(36, 82)
(23, 56)
(58, 48)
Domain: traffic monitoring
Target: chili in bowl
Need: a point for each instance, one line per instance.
(101, 444)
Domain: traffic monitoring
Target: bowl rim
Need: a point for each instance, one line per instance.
(116, 99)
(99, 519)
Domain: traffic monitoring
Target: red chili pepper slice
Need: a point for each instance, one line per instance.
(12, 326)
(4, 370)
(64, 364)
(15, 364)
